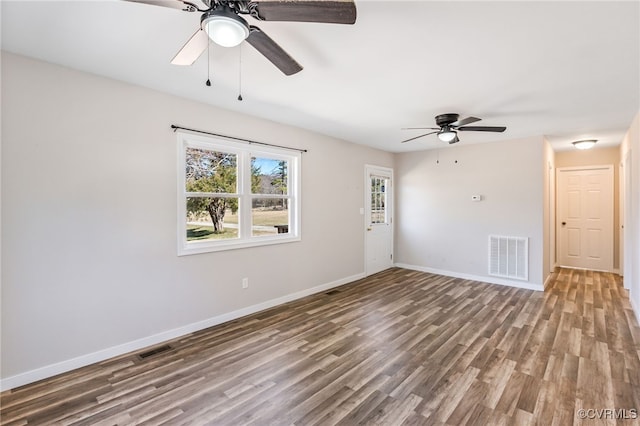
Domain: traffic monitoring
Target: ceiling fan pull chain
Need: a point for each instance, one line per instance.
(240, 72)
(208, 83)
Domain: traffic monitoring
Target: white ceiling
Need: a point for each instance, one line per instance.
(564, 69)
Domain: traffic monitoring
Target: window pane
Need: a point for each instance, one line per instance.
(212, 218)
(269, 176)
(378, 200)
(211, 171)
(235, 195)
(269, 216)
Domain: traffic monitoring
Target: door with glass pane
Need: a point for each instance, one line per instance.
(378, 219)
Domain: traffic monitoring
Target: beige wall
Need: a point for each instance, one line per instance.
(597, 157)
(440, 229)
(89, 220)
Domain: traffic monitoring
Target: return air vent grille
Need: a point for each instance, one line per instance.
(509, 257)
(155, 351)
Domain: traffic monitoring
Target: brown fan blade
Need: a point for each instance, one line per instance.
(420, 128)
(192, 49)
(464, 121)
(174, 4)
(482, 128)
(329, 11)
(426, 134)
(272, 51)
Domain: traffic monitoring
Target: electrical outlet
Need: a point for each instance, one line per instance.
(245, 283)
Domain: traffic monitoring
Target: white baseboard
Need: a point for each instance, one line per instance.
(104, 354)
(490, 280)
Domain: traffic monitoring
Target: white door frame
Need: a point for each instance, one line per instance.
(626, 254)
(368, 170)
(559, 171)
(552, 217)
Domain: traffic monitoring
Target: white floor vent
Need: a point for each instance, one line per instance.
(509, 257)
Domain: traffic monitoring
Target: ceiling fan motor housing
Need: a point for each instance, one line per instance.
(446, 119)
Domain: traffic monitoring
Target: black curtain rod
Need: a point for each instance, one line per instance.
(249, 141)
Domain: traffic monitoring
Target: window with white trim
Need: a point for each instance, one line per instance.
(379, 199)
(235, 195)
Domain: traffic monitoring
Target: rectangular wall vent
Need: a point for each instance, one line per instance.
(509, 257)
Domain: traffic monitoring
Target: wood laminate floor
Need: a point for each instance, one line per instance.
(398, 348)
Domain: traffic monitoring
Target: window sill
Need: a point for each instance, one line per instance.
(199, 247)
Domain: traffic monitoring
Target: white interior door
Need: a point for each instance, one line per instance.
(378, 219)
(585, 217)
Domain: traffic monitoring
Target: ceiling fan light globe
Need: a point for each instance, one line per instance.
(226, 31)
(447, 135)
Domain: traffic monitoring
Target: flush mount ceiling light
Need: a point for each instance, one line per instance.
(584, 144)
(224, 27)
(446, 134)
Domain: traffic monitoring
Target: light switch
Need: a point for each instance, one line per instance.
(476, 198)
